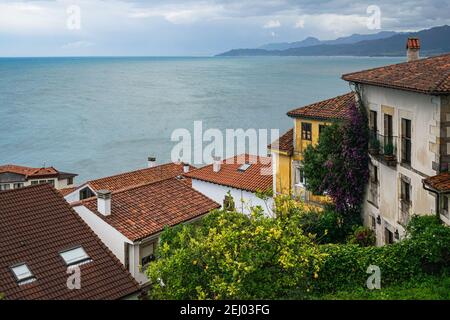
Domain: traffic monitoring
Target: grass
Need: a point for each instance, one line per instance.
(421, 288)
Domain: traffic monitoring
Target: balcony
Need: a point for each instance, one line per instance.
(384, 148)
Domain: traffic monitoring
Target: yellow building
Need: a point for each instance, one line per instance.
(287, 151)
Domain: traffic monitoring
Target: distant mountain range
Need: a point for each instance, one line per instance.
(311, 41)
(387, 43)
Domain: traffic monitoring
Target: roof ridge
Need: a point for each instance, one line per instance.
(394, 64)
(133, 171)
(25, 188)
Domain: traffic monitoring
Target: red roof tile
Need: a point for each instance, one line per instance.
(66, 191)
(36, 225)
(285, 143)
(257, 177)
(138, 177)
(142, 211)
(334, 108)
(440, 182)
(429, 76)
(30, 172)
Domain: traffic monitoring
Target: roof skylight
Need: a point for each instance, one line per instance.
(244, 167)
(22, 273)
(75, 256)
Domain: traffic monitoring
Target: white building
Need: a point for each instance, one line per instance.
(15, 177)
(241, 176)
(409, 118)
(130, 220)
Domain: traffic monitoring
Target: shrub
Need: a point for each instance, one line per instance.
(362, 236)
(329, 225)
(233, 256)
(426, 250)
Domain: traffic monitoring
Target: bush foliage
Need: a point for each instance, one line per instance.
(228, 255)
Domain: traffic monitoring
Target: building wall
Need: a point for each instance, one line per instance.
(424, 113)
(243, 200)
(282, 165)
(112, 238)
(300, 146)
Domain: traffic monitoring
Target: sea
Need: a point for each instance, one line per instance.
(98, 116)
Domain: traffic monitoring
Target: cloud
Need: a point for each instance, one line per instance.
(272, 24)
(300, 24)
(78, 44)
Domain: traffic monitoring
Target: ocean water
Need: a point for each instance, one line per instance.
(101, 116)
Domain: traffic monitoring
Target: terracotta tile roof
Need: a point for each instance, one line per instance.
(257, 177)
(285, 143)
(142, 211)
(138, 177)
(440, 182)
(30, 172)
(413, 43)
(429, 76)
(37, 224)
(66, 191)
(334, 108)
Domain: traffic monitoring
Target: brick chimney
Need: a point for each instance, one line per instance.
(151, 162)
(217, 164)
(104, 202)
(412, 49)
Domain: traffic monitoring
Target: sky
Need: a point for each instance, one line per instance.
(196, 27)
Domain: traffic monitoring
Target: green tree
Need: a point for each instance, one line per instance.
(233, 256)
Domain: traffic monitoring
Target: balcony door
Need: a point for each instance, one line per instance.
(388, 126)
(406, 141)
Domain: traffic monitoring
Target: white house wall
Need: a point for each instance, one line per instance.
(217, 193)
(424, 112)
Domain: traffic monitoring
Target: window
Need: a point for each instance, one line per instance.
(321, 128)
(306, 131)
(4, 186)
(42, 181)
(51, 182)
(388, 236)
(388, 138)
(147, 253)
(406, 141)
(69, 181)
(86, 193)
(373, 222)
(373, 122)
(33, 183)
(300, 179)
(405, 191)
(244, 167)
(18, 185)
(74, 256)
(22, 273)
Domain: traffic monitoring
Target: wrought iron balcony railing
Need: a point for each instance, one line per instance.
(384, 147)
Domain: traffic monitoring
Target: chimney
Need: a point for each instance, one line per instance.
(151, 162)
(104, 202)
(412, 49)
(216, 164)
(185, 167)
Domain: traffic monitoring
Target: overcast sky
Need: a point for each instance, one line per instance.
(194, 27)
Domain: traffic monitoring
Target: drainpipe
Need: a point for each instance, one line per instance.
(438, 199)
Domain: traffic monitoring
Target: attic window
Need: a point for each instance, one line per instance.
(75, 256)
(22, 274)
(244, 167)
